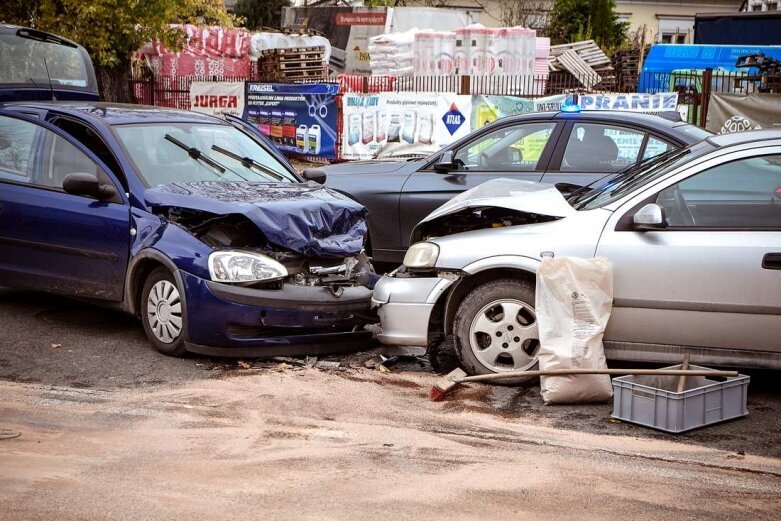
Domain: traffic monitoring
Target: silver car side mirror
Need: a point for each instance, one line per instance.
(649, 217)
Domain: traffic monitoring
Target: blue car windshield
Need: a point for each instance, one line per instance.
(165, 153)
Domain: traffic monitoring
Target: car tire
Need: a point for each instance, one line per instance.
(443, 357)
(163, 313)
(486, 342)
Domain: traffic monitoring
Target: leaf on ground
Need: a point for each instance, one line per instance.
(56, 346)
(384, 369)
(244, 365)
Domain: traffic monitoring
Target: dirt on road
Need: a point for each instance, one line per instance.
(105, 428)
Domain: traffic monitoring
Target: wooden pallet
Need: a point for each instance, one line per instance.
(293, 54)
(578, 67)
(588, 51)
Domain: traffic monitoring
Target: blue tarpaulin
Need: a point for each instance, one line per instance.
(662, 59)
(309, 219)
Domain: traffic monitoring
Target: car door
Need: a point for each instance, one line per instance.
(52, 240)
(517, 151)
(712, 277)
(592, 150)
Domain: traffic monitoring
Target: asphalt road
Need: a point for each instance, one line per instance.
(110, 429)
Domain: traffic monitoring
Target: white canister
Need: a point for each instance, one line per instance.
(410, 124)
(353, 128)
(313, 138)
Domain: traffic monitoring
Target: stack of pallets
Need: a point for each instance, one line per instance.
(626, 64)
(584, 60)
(299, 64)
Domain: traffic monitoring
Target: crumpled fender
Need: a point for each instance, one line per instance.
(306, 218)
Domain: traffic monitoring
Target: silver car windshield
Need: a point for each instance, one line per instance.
(165, 153)
(635, 177)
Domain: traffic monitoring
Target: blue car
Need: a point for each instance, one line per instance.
(185, 220)
(195, 224)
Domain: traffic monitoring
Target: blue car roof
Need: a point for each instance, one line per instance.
(121, 114)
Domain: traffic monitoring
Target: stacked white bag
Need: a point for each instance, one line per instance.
(392, 54)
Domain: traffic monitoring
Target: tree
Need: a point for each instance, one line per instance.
(261, 13)
(524, 13)
(573, 20)
(112, 30)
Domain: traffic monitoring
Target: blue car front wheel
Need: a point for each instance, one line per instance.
(163, 313)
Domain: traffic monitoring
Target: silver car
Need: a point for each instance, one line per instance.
(694, 236)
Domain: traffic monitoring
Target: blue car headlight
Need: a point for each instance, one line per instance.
(242, 266)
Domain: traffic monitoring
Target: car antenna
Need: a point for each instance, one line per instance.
(51, 89)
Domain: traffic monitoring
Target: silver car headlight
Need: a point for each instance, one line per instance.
(242, 266)
(422, 255)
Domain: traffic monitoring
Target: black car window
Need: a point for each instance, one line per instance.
(740, 194)
(512, 149)
(90, 139)
(17, 141)
(600, 147)
(655, 146)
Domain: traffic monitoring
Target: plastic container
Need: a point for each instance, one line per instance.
(302, 138)
(354, 127)
(382, 126)
(652, 401)
(367, 135)
(313, 139)
(410, 125)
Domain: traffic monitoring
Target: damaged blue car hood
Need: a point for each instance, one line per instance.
(306, 218)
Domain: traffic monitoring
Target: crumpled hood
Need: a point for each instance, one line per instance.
(513, 194)
(306, 218)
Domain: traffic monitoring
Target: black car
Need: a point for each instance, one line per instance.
(569, 149)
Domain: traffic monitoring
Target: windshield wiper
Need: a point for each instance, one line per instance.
(248, 162)
(572, 198)
(197, 154)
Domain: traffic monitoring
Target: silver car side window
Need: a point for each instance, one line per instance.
(740, 194)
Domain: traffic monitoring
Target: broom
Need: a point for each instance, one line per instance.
(452, 380)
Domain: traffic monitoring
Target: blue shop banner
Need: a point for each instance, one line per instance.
(299, 118)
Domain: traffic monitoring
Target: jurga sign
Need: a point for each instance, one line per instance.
(217, 97)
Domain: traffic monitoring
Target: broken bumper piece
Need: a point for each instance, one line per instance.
(404, 305)
(227, 320)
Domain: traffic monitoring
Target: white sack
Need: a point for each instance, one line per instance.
(574, 299)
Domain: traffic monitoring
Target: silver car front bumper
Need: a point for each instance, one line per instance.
(404, 306)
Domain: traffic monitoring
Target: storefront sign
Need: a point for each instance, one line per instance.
(217, 97)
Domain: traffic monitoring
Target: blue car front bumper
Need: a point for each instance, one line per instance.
(226, 320)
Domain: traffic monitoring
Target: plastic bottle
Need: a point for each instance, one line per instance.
(313, 138)
(276, 126)
(485, 114)
(289, 128)
(302, 138)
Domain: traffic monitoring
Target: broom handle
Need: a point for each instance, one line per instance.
(617, 372)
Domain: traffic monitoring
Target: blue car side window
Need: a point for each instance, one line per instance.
(17, 142)
(33, 154)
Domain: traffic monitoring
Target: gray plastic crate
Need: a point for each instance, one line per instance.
(653, 401)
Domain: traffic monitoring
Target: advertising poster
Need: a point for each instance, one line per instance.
(217, 97)
(729, 113)
(393, 124)
(347, 28)
(298, 118)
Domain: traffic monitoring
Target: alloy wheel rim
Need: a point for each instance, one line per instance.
(503, 336)
(164, 312)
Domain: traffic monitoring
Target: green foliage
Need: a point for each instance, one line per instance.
(261, 13)
(575, 20)
(111, 30)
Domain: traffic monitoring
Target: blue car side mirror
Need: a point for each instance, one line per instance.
(82, 183)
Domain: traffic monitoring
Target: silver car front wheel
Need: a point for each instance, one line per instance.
(496, 328)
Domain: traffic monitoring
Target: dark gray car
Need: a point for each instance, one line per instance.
(563, 148)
